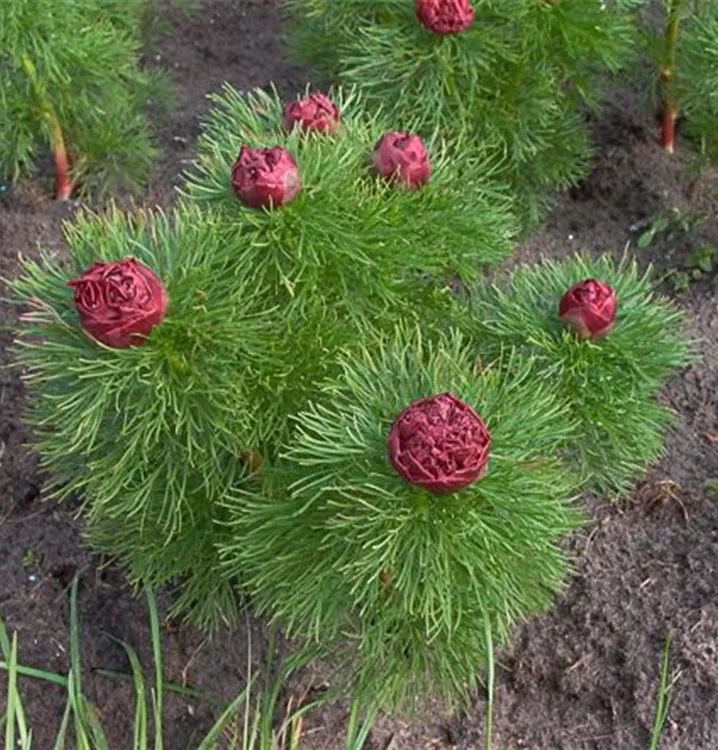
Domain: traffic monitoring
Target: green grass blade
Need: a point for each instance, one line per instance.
(665, 696)
(12, 697)
(39, 674)
(74, 677)
(490, 676)
(247, 743)
(157, 694)
(15, 711)
(99, 740)
(208, 743)
(88, 730)
(168, 687)
(139, 741)
(4, 640)
(64, 724)
(357, 734)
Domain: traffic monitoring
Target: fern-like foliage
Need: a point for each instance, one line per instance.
(336, 545)
(350, 249)
(611, 385)
(697, 76)
(149, 437)
(516, 83)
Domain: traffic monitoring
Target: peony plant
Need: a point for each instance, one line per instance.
(343, 218)
(603, 341)
(82, 94)
(177, 349)
(511, 80)
(153, 378)
(414, 517)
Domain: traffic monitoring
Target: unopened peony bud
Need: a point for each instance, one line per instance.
(445, 16)
(266, 177)
(315, 112)
(120, 303)
(402, 157)
(589, 309)
(440, 444)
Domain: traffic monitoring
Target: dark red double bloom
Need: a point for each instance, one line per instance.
(315, 112)
(266, 177)
(403, 158)
(445, 16)
(440, 444)
(120, 303)
(589, 309)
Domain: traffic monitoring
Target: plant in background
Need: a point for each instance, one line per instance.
(415, 512)
(153, 363)
(689, 73)
(72, 81)
(603, 342)
(511, 80)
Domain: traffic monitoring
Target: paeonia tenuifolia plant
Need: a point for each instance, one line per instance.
(414, 517)
(603, 340)
(153, 365)
(512, 79)
(346, 218)
(71, 81)
(200, 335)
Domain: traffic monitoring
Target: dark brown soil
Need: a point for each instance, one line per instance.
(585, 676)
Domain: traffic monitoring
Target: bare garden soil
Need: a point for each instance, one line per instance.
(585, 676)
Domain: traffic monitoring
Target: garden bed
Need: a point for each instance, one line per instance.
(585, 676)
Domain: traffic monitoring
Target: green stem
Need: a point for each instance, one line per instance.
(490, 677)
(670, 107)
(421, 503)
(64, 185)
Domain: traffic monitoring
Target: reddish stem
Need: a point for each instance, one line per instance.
(668, 127)
(670, 107)
(63, 184)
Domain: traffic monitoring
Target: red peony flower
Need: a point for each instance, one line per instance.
(119, 303)
(440, 444)
(589, 309)
(315, 112)
(402, 157)
(445, 16)
(266, 177)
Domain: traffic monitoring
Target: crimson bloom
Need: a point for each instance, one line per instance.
(445, 16)
(402, 157)
(119, 303)
(314, 112)
(266, 177)
(440, 444)
(589, 309)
